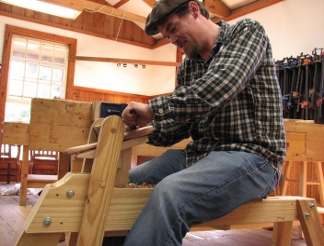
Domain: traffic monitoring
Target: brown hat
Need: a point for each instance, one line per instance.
(161, 10)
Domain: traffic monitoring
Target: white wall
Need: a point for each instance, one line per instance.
(293, 26)
(107, 76)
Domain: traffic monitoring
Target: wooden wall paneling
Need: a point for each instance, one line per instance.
(5, 7)
(91, 95)
(82, 25)
(109, 23)
(77, 23)
(30, 14)
(116, 27)
(54, 19)
(42, 17)
(127, 30)
(17, 10)
(66, 23)
(99, 23)
(88, 21)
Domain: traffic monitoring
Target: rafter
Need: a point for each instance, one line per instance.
(246, 9)
(254, 6)
(149, 2)
(120, 3)
(217, 8)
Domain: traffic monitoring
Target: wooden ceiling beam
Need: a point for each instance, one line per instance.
(150, 2)
(120, 3)
(128, 61)
(246, 9)
(254, 6)
(217, 8)
(98, 8)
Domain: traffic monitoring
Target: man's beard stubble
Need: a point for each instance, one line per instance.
(193, 53)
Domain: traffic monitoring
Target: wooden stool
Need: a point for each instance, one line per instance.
(303, 181)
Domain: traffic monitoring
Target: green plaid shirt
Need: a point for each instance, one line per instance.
(231, 102)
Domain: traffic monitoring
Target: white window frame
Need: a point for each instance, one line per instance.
(23, 85)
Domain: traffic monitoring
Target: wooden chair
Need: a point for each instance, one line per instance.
(93, 205)
(43, 162)
(9, 161)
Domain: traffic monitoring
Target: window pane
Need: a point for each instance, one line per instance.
(15, 87)
(58, 75)
(45, 73)
(17, 69)
(30, 90)
(44, 91)
(57, 91)
(37, 70)
(31, 70)
(17, 112)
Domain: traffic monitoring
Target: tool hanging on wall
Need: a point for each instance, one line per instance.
(301, 81)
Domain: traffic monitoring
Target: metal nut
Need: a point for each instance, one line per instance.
(47, 221)
(70, 193)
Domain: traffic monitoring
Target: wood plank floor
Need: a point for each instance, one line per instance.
(13, 216)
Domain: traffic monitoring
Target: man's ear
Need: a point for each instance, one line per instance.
(194, 8)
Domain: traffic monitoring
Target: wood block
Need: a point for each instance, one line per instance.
(150, 150)
(314, 141)
(96, 107)
(15, 133)
(296, 145)
(58, 124)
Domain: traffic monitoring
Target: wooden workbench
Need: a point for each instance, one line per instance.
(54, 125)
(59, 124)
(305, 143)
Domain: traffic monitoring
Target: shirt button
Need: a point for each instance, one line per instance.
(161, 110)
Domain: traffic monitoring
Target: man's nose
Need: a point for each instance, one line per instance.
(173, 39)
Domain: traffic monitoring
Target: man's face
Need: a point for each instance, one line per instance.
(180, 31)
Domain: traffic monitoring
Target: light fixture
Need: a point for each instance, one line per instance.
(143, 66)
(124, 65)
(45, 8)
(118, 64)
(136, 65)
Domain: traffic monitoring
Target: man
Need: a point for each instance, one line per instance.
(228, 100)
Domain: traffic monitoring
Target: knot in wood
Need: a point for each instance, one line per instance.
(102, 184)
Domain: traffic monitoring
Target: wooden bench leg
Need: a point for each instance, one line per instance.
(310, 223)
(282, 233)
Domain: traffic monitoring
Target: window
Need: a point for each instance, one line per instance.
(58, 44)
(38, 69)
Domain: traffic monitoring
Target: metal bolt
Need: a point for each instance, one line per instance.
(307, 215)
(70, 193)
(47, 221)
(311, 205)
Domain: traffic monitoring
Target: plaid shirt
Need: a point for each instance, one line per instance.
(231, 102)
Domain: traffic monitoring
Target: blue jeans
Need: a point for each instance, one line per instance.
(208, 190)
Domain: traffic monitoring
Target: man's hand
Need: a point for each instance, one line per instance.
(137, 115)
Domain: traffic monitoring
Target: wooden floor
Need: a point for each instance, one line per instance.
(13, 216)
